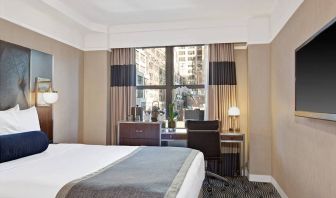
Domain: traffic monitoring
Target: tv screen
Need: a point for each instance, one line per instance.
(315, 89)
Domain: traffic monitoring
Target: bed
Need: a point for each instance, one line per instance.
(30, 167)
(44, 175)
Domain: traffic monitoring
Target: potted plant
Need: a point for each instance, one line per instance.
(171, 116)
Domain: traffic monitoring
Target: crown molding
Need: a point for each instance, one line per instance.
(62, 8)
(282, 12)
(44, 33)
(87, 35)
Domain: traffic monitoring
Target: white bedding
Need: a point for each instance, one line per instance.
(43, 175)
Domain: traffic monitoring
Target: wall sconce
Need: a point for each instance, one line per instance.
(50, 97)
(234, 114)
(44, 94)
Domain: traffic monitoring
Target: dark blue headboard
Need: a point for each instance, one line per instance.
(14, 76)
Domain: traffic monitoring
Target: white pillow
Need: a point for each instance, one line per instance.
(19, 121)
(16, 108)
(8, 122)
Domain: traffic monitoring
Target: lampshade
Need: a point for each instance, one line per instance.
(50, 97)
(234, 111)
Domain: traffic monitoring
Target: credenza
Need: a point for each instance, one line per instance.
(139, 133)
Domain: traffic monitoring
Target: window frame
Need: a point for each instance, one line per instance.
(170, 85)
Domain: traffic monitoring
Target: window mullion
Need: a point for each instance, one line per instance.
(169, 75)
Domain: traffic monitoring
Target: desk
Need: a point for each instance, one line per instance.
(177, 134)
(226, 137)
(236, 138)
(151, 134)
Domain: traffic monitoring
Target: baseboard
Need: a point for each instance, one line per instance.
(268, 179)
(278, 187)
(260, 178)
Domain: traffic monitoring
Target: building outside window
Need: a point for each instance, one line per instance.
(161, 70)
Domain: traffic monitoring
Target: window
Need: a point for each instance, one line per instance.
(164, 70)
(181, 52)
(195, 69)
(140, 94)
(140, 80)
(146, 98)
(182, 59)
(196, 101)
(152, 66)
(191, 52)
(199, 58)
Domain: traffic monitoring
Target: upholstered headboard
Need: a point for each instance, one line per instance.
(14, 76)
(19, 66)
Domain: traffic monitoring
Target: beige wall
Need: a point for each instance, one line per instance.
(241, 70)
(96, 89)
(259, 109)
(68, 70)
(242, 91)
(303, 149)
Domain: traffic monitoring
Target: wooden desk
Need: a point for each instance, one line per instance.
(236, 138)
(177, 134)
(151, 134)
(181, 134)
(226, 137)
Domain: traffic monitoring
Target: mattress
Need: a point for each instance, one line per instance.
(43, 175)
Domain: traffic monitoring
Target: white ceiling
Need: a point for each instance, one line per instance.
(102, 24)
(124, 12)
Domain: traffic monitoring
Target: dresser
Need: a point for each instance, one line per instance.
(139, 133)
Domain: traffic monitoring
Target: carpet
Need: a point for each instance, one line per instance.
(239, 187)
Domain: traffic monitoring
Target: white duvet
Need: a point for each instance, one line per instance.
(43, 175)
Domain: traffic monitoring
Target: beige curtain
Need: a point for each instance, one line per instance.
(123, 77)
(222, 92)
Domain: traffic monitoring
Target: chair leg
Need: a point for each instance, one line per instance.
(209, 187)
(210, 174)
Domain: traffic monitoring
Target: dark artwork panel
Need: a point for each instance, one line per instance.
(14, 76)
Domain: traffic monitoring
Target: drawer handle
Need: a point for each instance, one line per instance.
(138, 131)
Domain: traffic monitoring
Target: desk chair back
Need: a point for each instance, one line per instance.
(204, 136)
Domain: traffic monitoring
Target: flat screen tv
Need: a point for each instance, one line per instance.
(315, 84)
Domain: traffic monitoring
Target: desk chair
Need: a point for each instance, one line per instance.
(204, 136)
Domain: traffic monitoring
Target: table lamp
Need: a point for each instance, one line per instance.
(234, 113)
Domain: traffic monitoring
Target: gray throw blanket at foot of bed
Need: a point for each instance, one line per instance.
(146, 172)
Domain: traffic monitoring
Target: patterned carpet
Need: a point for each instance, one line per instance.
(239, 187)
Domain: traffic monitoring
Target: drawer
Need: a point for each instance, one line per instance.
(174, 136)
(126, 130)
(232, 137)
(150, 131)
(139, 142)
(139, 130)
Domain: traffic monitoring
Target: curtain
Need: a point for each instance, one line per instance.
(123, 82)
(222, 92)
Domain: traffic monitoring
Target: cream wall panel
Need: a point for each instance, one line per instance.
(303, 149)
(259, 109)
(242, 91)
(95, 121)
